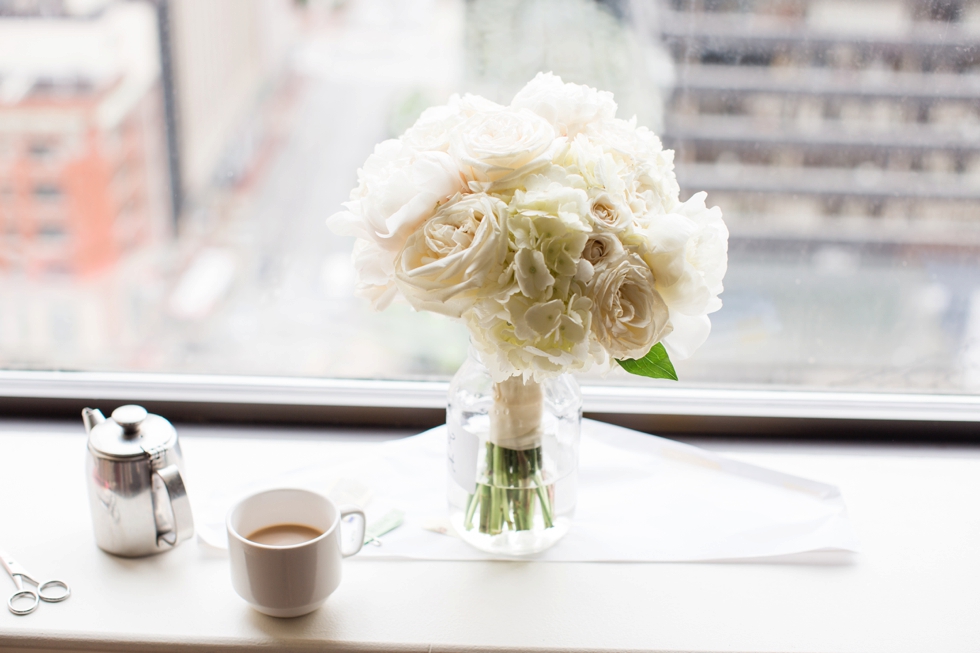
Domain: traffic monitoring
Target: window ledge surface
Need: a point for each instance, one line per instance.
(913, 588)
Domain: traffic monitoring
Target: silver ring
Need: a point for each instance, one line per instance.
(21, 594)
(57, 598)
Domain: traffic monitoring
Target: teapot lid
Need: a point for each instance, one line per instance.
(131, 432)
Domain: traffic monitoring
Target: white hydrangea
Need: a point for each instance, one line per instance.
(552, 228)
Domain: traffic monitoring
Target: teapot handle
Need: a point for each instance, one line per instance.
(183, 522)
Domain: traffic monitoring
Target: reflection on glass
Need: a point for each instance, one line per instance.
(166, 168)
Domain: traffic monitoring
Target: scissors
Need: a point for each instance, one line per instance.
(19, 575)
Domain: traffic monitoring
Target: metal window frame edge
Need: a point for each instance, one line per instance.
(655, 408)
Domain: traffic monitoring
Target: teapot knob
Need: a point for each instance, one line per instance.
(129, 417)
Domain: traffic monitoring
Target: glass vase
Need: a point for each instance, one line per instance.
(513, 459)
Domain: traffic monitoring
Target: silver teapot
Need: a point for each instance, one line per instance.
(136, 492)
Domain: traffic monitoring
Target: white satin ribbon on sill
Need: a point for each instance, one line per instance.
(641, 498)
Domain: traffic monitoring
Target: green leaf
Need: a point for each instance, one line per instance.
(656, 364)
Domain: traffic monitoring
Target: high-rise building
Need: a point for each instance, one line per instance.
(83, 174)
(816, 117)
(227, 54)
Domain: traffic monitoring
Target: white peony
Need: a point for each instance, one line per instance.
(651, 185)
(375, 272)
(432, 130)
(569, 107)
(500, 145)
(399, 189)
(601, 169)
(688, 253)
(629, 316)
(455, 257)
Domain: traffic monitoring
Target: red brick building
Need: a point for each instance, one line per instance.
(82, 175)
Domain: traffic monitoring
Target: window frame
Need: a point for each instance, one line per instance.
(683, 410)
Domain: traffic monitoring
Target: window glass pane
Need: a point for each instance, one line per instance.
(166, 169)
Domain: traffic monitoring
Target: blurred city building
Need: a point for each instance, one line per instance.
(99, 116)
(841, 139)
(839, 118)
(83, 175)
(606, 44)
(227, 57)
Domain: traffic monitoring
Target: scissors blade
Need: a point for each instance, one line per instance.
(15, 569)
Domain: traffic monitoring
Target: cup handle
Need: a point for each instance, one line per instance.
(183, 527)
(347, 511)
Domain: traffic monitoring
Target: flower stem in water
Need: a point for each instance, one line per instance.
(509, 497)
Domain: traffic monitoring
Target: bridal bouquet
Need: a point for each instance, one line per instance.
(554, 231)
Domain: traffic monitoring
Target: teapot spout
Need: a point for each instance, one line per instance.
(92, 417)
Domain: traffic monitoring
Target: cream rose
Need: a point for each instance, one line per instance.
(601, 247)
(454, 258)
(610, 212)
(496, 146)
(629, 316)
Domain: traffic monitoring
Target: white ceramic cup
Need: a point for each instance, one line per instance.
(289, 581)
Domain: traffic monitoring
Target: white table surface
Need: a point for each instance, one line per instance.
(915, 586)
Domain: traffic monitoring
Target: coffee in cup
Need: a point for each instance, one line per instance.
(284, 534)
(286, 548)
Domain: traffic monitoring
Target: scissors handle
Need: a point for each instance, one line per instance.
(30, 595)
(53, 598)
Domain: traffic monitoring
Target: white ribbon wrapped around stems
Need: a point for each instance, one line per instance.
(515, 419)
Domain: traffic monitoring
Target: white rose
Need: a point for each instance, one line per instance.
(501, 145)
(570, 107)
(455, 257)
(399, 189)
(688, 253)
(629, 316)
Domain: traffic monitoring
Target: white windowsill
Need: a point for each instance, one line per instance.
(913, 588)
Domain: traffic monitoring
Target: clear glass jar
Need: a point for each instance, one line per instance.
(513, 459)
